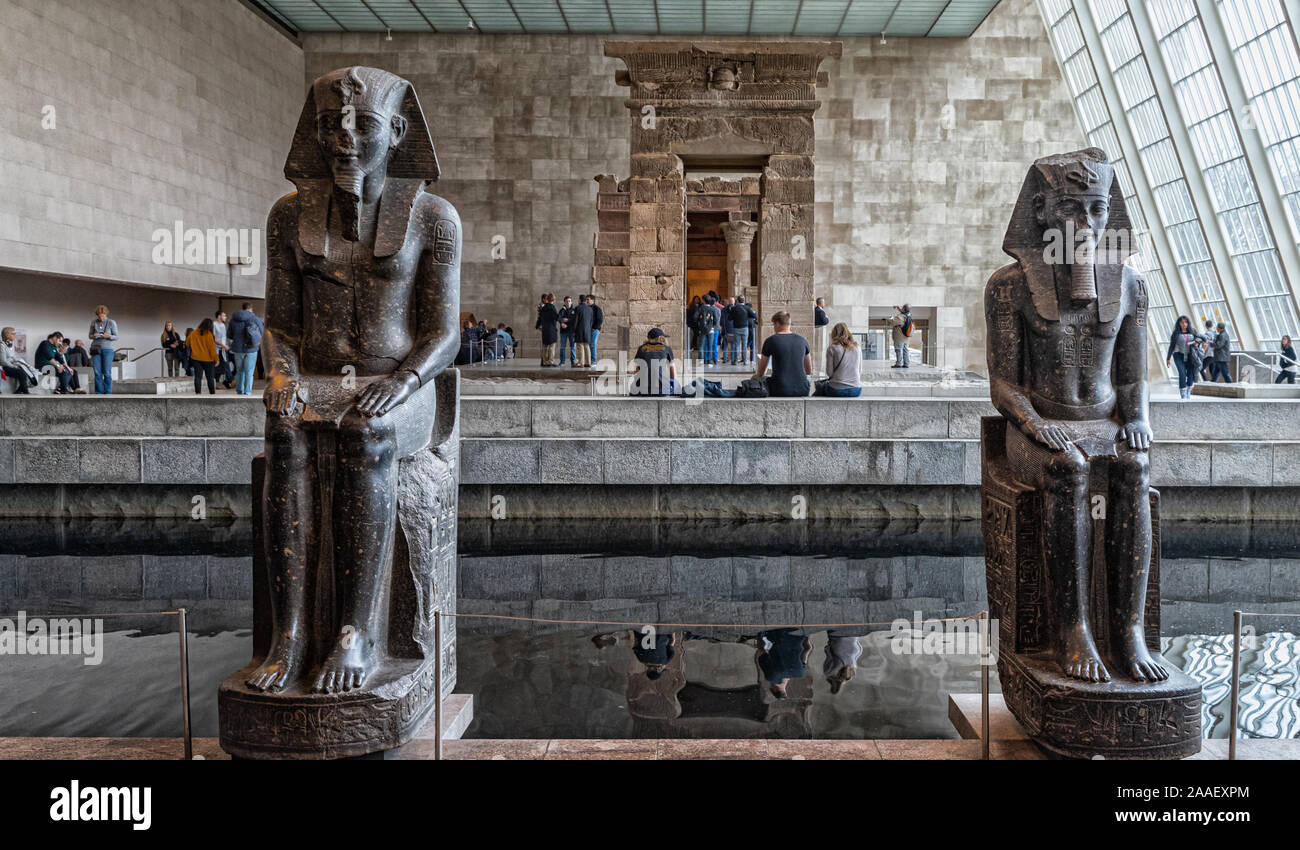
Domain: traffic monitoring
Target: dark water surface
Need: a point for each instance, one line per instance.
(749, 597)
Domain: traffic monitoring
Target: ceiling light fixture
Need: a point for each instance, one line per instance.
(882, 36)
(390, 34)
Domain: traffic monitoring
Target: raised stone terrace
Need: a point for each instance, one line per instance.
(893, 457)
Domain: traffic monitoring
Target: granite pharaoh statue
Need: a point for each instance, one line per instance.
(363, 286)
(1067, 354)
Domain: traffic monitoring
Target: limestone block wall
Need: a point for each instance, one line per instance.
(120, 117)
(921, 149)
(911, 198)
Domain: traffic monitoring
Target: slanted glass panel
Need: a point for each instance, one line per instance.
(1264, 50)
(1204, 109)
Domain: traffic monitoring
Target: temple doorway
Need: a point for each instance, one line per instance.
(706, 256)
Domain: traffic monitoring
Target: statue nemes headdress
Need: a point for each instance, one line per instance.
(1084, 174)
(410, 166)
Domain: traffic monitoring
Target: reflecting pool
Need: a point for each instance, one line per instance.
(755, 641)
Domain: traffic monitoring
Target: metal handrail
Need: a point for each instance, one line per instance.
(1236, 674)
(183, 632)
(146, 354)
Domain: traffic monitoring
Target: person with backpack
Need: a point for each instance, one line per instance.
(707, 319)
(244, 336)
(692, 316)
(740, 328)
(902, 325)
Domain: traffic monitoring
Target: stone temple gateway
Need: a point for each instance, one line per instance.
(712, 106)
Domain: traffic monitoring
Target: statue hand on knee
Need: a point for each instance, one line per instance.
(282, 394)
(1138, 434)
(382, 396)
(1055, 437)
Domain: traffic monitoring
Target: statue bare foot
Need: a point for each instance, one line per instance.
(281, 666)
(1079, 658)
(349, 663)
(1137, 658)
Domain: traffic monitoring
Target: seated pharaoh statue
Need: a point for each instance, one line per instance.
(1067, 497)
(362, 311)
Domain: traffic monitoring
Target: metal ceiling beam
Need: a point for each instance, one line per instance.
(935, 22)
(420, 12)
(797, 12)
(377, 16)
(518, 19)
(890, 19)
(473, 22)
(844, 17)
(331, 17)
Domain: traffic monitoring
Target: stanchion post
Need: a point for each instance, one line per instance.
(185, 684)
(984, 684)
(1236, 685)
(437, 685)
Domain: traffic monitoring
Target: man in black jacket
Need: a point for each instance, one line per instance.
(583, 316)
(753, 327)
(1222, 354)
(740, 327)
(568, 318)
(598, 319)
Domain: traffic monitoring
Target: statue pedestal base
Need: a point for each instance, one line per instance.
(1115, 720)
(256, 725)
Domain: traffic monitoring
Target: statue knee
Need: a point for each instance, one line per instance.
(1134, 467)
(363, 437)
(283, 431)
(1069, 467)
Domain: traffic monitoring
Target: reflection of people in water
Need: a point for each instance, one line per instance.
(657, 656)
(657, 674)
(782, 655)
(842, 653)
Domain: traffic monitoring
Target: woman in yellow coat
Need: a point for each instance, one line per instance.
(203, 356)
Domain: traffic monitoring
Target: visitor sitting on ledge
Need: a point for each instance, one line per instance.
(843, 366)
(12, 366)
(655, 375)
(790, 357)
